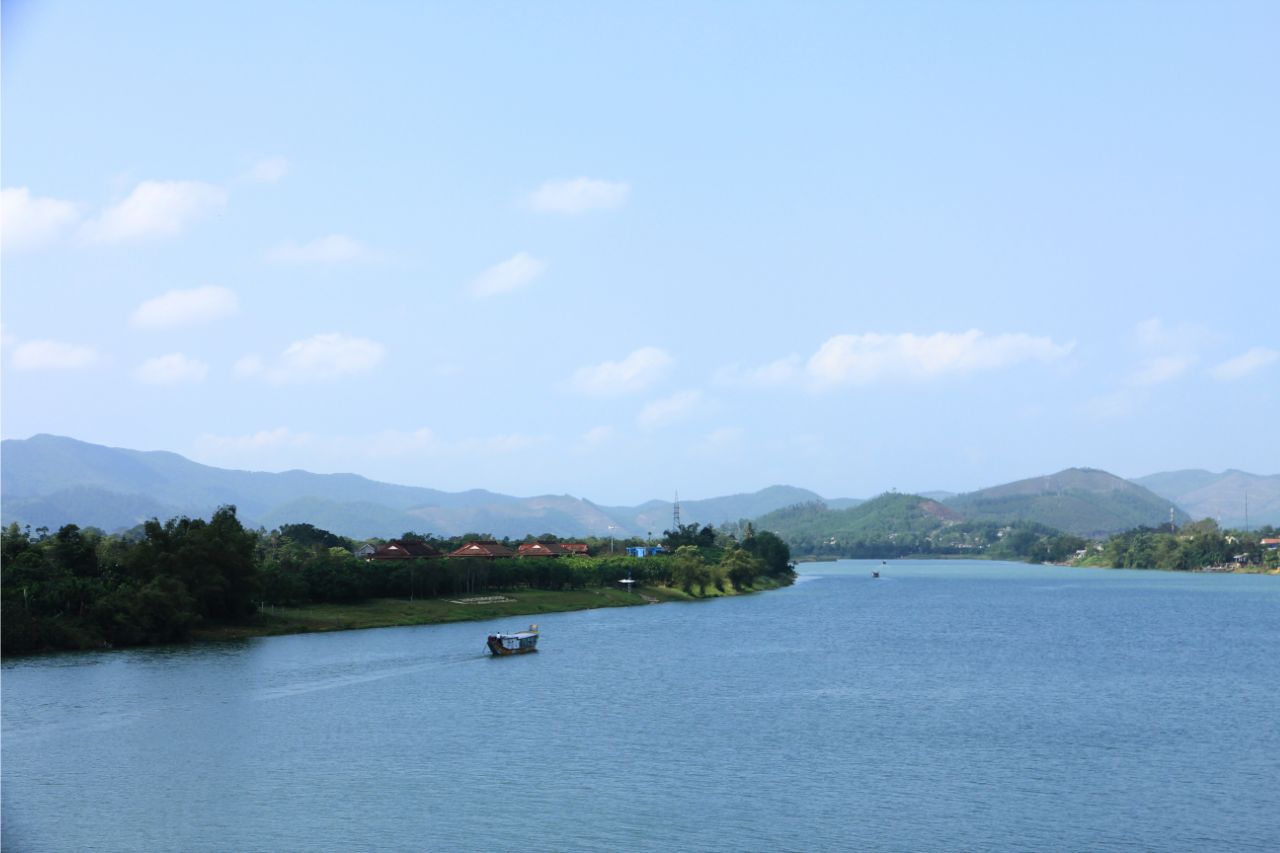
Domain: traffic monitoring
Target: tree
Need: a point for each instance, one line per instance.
(688, 568)
(772, 551)
(741, 568)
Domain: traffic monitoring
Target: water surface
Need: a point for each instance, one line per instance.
(947, 705)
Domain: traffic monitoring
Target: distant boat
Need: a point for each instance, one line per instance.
(501, 645)
(875, 574)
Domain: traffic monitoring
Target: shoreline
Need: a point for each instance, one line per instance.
(400, 613)
(1205, 570)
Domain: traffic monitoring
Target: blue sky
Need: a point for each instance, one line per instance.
(619, 250)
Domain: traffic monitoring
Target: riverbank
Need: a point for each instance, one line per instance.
(399, 612)
(1086, 563)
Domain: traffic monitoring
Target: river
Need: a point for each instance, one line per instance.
(944, 706)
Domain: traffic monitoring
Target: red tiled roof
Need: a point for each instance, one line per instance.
(483, 549)
(540, 549)
(404, 551)
(574, 547)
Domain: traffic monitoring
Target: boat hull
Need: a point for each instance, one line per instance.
(498, 651)
(503, 645)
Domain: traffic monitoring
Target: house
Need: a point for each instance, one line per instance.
(366, 551)
(578, 548)
(481, 548)
(540, 549)
(643, 550)
(1269, 544)
(404, 551)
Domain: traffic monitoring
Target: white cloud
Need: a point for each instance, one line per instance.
(284, 446)
(771, 375)
(1154, 335)
(637, 371)
(723, 437)
(511, 274)
(153, 210)
(670, 410)
(1158, 369)
(269, 170)
(1117, 404)
(579, 195)
(32, 223)
(171, 369)
(597, 436)
(185, 308)
(862, 359)
(1245, 364)
(333, 249)
(274, 439)
(250, 365)
(320, 357)
(52, 355)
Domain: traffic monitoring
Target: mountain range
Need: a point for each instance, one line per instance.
(48, 481)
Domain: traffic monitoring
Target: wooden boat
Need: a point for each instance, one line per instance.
(501, 645)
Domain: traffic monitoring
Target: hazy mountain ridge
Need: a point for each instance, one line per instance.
(48, 481)
(1223, 496)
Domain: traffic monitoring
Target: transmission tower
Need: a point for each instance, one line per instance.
(675, 514)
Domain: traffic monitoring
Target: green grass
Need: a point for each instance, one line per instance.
(392, 612)
(389, 612)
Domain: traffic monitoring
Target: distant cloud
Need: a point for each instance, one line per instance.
(636, 372)
(596, 436)
(261, 440)
(154, 209)
(721, 438)
(1117, 404)
(185, 308)
(309, 449)
(333, 249)
(269, 170)
(321, 357)
(771, 375)
(867, 358)
(171, 369)
(579, 195)
(512, 274)
(1160, 369)
(52, 355)
(1243, 365)
(1155, 335)
(28, 222)
(669, 410)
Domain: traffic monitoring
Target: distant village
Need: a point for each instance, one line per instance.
(490, 550)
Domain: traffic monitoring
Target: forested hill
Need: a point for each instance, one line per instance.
(1082, 501)
(1041, 518)
(889, 525)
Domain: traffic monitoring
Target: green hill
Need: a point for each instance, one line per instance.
(1082, 501)
(891, 524)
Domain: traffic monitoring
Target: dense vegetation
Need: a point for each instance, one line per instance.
(80, 588)
(1188, 548)
(897, 525)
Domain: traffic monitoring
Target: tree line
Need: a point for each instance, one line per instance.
(82, 588)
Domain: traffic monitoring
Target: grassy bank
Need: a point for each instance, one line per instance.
(392, 612)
